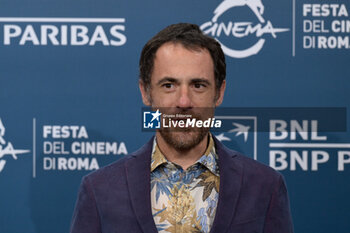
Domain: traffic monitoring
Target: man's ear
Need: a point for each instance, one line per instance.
(220, 96)
(144, 93)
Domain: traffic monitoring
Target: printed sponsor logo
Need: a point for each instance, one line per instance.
(63, 31)
(294, 142)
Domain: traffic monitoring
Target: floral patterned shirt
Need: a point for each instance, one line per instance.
(184, 201)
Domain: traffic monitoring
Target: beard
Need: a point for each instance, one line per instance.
(184, 139)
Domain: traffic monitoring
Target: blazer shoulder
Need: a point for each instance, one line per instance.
(254, 169)
(255, 166)
(107, 173)
(249, 165)
(117, 168)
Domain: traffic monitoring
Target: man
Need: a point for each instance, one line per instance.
(183, 180)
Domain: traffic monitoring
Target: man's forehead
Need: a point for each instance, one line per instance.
(171, 56)
(175, 61)
(170, 48)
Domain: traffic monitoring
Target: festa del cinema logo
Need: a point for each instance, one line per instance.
(7, 149)
(61, 148)
(240, 29)
(61, 31)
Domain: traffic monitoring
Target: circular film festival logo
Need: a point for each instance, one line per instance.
(6, 148)
(239, 30)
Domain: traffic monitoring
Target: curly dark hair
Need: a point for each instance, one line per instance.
(191, 37)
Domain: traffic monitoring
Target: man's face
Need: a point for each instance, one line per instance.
(183, 82)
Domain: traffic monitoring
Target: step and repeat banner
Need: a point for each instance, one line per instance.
(70, 104)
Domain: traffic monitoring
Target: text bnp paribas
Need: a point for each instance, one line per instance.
(297, 145)
(23, 31)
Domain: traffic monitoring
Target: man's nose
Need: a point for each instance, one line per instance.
(184, 99)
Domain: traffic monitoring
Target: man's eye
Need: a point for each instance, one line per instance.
(199, 86)
(168, 85)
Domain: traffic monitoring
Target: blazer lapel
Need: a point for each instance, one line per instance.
(231, 175)
(138, 177)
(139, 184)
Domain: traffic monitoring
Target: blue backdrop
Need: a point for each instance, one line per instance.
(69, 98)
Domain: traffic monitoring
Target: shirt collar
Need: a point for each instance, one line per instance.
(209, 158)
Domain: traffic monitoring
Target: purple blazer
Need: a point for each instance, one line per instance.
(252, 197)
